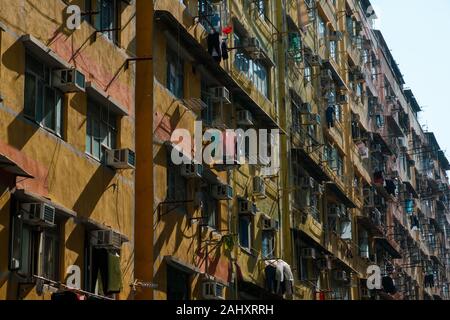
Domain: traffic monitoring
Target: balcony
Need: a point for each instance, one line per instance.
(371, 219)
(308, 150)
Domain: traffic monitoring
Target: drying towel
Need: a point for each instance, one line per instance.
(114, 274)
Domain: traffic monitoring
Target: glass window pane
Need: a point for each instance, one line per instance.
(30, 95)
(49, 109)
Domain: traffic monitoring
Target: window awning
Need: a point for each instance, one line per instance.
(106, 100)
(44, 53)
(10, 166)
(29, 197)
(95, 225)
(181, 265)
(385, 243)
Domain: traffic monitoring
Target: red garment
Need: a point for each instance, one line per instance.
(227, 30)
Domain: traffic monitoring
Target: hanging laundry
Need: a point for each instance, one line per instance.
(378, 177)
(409, 206)
(271, 283)
(213, 41)
(388, 285)
(330, 116)
(391, 187)
(65, 296)
(227, 30)
(224, 49)
(429, 281)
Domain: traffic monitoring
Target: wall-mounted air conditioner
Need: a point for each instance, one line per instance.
(222, 192)
(246, 207)
(39, 213)
(220, 95)
(244, 118)
(192, 170)
(106, 239)
(340, 275)
(212, 290)
(259, 187)
(269, 224)
(308, 253)
(69, 80)
(121, 158)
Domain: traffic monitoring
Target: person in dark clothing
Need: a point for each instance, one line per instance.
(388, 285)
(391, 187)
(224, 49)
(271, 282)
(214, 47)
(330, 116)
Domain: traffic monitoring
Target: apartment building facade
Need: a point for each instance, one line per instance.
(67, 150)
(346, 179)
(348, 192)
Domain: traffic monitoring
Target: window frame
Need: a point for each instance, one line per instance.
(42, 86)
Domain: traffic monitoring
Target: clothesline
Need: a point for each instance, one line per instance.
(59, 285)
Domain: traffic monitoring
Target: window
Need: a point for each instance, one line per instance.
(260, 78)
(295, 46)
(104, 16)
(321, 28)
(256, 71)
(261, 6)
(101, 130)
(245, 232)
(209, 209)
(43, 103)
(176, 185)
(208, 114)
(177, 284)
(307, 76)
(175, 73)
(333, 50)
(363, 241)
(209, 17)
(268, 244)
(34, 250)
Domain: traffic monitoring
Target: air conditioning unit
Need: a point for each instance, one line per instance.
(377, 148)
(365, 293)
(252, 44)
(306, 108)
(106, 239)
(220, 94)
(313, 119)
(270, 224)
(340, 275)
(69, 80)
(324, 264)
(192, 170)
(402, 143)
(307, 183)
(246, 207)
(316, 60)
(342, 99)
(212, 290)
(259, 187)
(308, 253)
(244, 118)
(121, 158)
(39, 213)
(222, 192)
(336, 35)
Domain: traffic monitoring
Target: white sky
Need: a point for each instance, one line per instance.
(417, 32)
